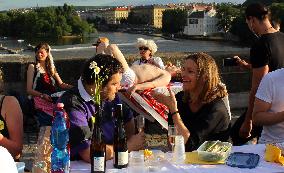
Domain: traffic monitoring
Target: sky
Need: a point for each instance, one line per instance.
(12, 4)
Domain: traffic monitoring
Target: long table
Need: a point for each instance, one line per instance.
(167, 167)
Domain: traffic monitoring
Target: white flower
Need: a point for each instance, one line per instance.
(93, 65)
(97, 70)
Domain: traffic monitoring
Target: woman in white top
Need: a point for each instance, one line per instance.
(147, 48)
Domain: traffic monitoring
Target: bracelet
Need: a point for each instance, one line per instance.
(41, 96)
(172, 114)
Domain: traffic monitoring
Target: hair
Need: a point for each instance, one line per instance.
(1, 81)
(108, 67)
(276, 23)
(207, 71)
(49, 63)
(257, 10)
(147, 43)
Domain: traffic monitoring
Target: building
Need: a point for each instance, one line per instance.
(152, 14)
(114, 15)
(91, 14)
(201, 23)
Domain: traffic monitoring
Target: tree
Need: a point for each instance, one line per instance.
(226, 13)
(173, 21)
(277, 13)
(265, 2)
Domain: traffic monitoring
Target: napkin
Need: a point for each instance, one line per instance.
(273, 154)
(192, 158)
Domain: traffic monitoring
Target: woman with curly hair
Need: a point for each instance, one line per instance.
(42, 78)
(199, 112)
(147, 48)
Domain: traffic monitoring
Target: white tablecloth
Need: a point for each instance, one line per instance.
(166, 167)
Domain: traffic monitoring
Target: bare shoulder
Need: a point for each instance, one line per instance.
(10, 101)
(31, 67)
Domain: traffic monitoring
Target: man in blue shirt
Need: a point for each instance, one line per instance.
(80, 108)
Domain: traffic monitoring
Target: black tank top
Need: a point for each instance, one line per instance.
(3, 125)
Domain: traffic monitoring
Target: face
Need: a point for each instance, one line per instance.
(41, 54)
(144, 52)
(251, 22)
(112, 87)
(189, 75)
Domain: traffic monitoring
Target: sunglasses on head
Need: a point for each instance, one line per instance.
(143, 48)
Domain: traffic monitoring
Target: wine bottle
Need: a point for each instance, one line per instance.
(98, 147)
(120, 141)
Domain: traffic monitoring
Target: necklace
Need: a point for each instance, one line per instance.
(266, 30)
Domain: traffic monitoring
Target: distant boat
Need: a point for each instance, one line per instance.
(20, 41)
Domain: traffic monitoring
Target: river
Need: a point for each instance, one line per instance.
(68, 48)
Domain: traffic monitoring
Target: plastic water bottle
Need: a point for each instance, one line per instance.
(59, 137)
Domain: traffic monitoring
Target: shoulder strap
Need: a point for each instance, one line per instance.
(1, 102)
(34, 71)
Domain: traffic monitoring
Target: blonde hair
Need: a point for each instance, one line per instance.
(208, 77)
(49, 59)
(147, 43)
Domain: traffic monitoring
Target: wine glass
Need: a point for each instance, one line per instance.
(140, 120)
(172, 132)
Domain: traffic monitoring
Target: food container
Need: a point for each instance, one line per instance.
(214, 151)
(20, 167)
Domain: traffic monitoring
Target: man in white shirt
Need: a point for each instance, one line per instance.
(269, 107)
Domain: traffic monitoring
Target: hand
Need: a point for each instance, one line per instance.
(242, 63)
(136, 142)
(110, 49)
(245, 130)
(47, 97)
(101, 48)
(173, 70)
(169, 101)
(132, 89)
(109, 152)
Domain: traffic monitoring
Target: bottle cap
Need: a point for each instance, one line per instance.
(60, 105)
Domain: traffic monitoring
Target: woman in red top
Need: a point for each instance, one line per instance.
(41, 80)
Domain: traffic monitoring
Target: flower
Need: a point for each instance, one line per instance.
(2, 125)
(98, 83)
(93, 65)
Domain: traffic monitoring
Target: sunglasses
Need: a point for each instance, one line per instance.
(143, 48)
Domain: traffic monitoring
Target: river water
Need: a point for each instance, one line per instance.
(68, 48)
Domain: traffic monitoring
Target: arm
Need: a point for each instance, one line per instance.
(116, 53)
(262, 116)
(60, 83)
(14, 120)
(30, 90)
(149, 76)
(257, 75)
(134, 142)
(171, 103)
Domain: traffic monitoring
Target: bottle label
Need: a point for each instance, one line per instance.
(122, 158)
(99, 163)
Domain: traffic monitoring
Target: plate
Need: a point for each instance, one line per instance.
(243, 160)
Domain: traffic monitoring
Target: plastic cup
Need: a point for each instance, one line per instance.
(136, 163)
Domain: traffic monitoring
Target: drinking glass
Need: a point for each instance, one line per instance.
(140, 120)
(172, 132)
